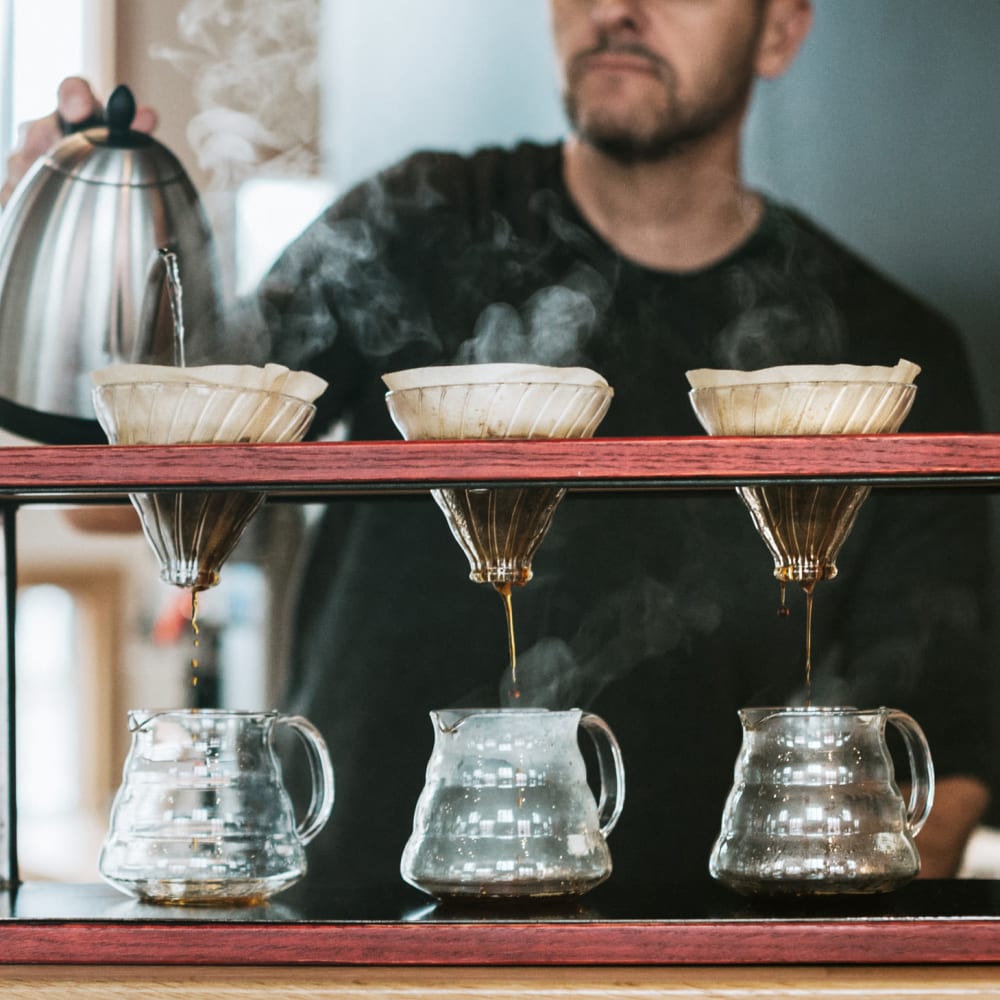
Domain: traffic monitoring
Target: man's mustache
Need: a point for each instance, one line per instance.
(607, 46)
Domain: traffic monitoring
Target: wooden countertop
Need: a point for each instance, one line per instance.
(746, 983)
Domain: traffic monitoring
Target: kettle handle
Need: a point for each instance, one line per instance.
(610, 768)
(921, 768)
(321, 772)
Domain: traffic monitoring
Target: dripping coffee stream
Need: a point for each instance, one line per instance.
(804, 525)
(505, 591)
(498, 528)
(195, 637)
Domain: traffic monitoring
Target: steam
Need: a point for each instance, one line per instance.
(782, 313)
(642, 621)
(254, 67)
(351, 270)
(551, 328)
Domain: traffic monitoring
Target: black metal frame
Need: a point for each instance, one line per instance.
(9, 871)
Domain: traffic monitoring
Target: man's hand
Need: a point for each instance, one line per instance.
(75, 103)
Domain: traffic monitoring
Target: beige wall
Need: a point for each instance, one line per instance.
(139, 25)
(263, 122)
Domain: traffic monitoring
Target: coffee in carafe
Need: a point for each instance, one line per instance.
(506, 811)
(815, 808)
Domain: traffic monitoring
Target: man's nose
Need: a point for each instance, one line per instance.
(609, 14)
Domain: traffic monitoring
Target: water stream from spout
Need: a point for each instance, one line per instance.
(176, 295)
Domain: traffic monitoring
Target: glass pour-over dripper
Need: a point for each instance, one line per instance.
(498, 528)
(193, 532)
(804, 525)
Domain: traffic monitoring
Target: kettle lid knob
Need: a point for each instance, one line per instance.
(119, 114)
(120, 110)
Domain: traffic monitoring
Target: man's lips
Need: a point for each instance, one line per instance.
(617, 62)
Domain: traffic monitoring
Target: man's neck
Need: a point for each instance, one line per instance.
(680, 213)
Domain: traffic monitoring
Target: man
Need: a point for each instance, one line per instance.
(634, 248)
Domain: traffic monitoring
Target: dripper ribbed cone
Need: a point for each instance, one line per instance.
(193, 532)
(804, 526)
(499, 528)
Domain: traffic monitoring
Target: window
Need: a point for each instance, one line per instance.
(34, 58)
(67, 635)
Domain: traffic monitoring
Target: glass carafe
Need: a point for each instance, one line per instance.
(506, 810)
(202, 815)
(814, 806)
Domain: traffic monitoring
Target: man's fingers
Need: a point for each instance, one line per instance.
(146, 119)
(76, 101)
(39, 137)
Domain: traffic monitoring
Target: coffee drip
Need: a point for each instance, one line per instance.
(804, 525)
(498, 528)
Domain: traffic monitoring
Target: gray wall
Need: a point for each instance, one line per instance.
(886, 130)
(433, 74)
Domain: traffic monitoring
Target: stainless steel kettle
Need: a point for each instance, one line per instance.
(81, 281)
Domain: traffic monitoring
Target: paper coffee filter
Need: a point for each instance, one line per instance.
(496, 401)
(269, 378)
(160, 404)
(804, 399)
(902, 371)
(413, 378)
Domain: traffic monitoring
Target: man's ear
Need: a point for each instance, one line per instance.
(786, 24)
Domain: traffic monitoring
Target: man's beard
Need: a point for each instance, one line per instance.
(676, 128)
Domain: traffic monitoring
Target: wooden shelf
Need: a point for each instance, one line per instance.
(330, 468)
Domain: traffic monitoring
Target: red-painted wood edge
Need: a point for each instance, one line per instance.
(888, 941)
(357, 466)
